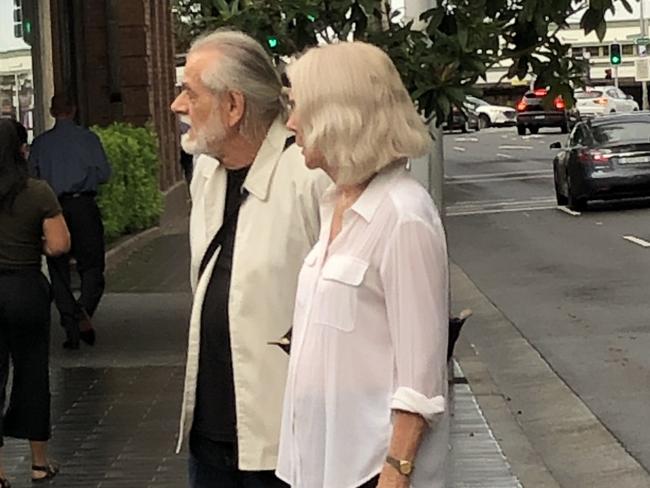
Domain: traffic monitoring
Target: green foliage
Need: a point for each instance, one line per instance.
(442, 57)
(131, 200)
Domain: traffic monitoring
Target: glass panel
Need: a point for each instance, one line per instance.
(630, 131)
(628, 50)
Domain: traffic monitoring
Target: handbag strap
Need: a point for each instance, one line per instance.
(229, 221)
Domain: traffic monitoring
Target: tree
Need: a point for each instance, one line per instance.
(441, 61)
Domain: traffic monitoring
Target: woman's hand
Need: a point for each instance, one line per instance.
(390, 478)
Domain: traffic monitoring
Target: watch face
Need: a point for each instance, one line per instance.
(406, 468)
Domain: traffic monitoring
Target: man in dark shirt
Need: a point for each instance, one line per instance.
(72, 160)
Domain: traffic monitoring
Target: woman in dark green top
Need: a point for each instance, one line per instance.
(31, 224)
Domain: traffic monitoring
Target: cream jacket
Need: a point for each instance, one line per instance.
(278, 225)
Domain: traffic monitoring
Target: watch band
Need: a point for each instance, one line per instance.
(403, 466)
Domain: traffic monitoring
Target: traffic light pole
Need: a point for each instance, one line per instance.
(644, 85)
(616, 76)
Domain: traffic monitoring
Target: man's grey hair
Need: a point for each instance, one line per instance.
(244, 66)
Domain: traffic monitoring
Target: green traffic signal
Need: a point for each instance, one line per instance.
(615, 56)
(272, 41)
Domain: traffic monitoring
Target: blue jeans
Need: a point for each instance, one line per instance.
(207, 476)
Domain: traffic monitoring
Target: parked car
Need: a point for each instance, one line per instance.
(532, 113)
(491, 115)
(604, 100)
(463, 120)
(605, 158)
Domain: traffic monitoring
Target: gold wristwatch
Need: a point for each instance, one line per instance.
(403, 466)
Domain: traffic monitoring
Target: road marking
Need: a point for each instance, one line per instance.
(476, 176)
(459, 149)
(507, 156)
(515, 148)
(498, 211)
(636, 240)
(480, 208)
(497, 180)
(567, 210)
(466, 139)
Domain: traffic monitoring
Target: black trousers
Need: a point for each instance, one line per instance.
(24, 338)
(87, 234)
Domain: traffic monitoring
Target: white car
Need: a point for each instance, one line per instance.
(490, 115)
(602, 100)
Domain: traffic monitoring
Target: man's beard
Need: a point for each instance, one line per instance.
(205, 140)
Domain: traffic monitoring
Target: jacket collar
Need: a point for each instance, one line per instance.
(258, 180)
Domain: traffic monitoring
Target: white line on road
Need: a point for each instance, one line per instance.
(636, 240)
(476, 176)
(507, 156)
(496, 180)
(459, 149)
(466, 139)
(514, 148)
(497, 211)
(567, 210)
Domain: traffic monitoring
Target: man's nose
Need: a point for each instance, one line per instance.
(178, 105)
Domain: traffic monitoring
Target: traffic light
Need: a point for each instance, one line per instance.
(272, 41)
(615, 56)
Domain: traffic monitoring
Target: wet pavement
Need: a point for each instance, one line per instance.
(115, 406)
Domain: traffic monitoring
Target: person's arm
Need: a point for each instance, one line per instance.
(56, 237)
(103, 166)
(415, 278)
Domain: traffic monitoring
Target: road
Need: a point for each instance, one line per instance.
(575, 284)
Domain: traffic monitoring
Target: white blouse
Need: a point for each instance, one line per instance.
(370, 335)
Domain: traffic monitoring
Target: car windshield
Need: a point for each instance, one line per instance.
(477, 101)
(622, 131)
(589, 94)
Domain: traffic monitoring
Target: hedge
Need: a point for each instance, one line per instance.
(131, 201)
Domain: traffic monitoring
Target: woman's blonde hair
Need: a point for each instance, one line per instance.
(353, 107)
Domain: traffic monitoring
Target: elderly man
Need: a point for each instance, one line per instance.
(254, 219)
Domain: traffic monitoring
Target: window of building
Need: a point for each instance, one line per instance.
(18, 19)
(628, 49)
(594, 51)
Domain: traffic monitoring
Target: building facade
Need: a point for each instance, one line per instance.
(115, 56)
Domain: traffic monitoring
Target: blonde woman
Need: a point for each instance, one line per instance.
(365, 401)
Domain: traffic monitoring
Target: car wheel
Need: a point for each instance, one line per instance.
(484, 121)
(561, 199)
(533, 130)
(521, 130)
(575, 202)
(465, 127)
(564, 128)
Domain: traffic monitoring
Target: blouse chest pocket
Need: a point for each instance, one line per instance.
(338, 293)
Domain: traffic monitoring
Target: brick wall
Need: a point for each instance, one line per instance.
(123, 55)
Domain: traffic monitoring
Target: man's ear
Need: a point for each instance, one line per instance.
(236, 103)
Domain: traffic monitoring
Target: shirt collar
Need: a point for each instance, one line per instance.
(64, 123)
(258, 180)
(369, 201)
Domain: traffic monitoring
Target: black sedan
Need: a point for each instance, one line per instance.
(604, 158)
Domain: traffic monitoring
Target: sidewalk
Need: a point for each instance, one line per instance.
(115, 407)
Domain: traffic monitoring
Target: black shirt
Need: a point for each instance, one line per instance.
(214, 413)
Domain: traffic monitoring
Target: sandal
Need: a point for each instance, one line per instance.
(51, 470)
(4, 483)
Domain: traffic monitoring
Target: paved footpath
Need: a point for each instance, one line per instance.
(115, 407)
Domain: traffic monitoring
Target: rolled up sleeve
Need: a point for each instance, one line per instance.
(414, 274)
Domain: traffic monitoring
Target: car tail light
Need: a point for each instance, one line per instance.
(601, 101)
(540, 92)
(521, 106)
(594, 157)
(559, 103)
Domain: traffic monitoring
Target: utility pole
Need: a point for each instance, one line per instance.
(644, 84)
(430, 170)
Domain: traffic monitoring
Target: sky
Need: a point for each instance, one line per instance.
(7, 39)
